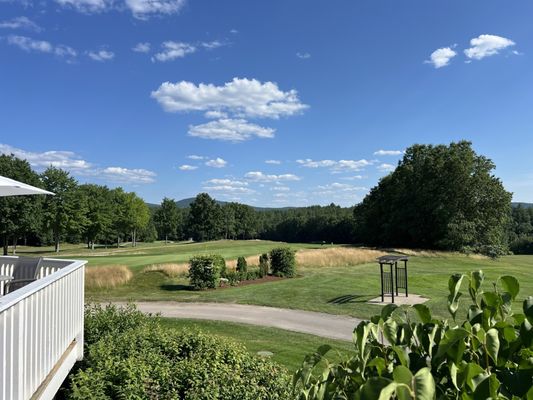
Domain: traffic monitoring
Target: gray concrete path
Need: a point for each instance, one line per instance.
(314, 323)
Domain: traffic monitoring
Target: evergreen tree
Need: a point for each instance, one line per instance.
(166, 219)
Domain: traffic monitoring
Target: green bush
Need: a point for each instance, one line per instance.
(283, 262)
(489, 354)
(242, 266)
(236, 277)
(263, 265)
(205, 271)
(146, 361)
(522, 245)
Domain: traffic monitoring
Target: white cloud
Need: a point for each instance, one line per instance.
(226, 182)
(335, 166)
(388, 152)
(240, 97)
(29, 44)
(234, 130)
(126, 175)
(352, 178)
(234, 31)
(216, 163)
(258, 176)
(303, 56)
(86, 6)
(228, 186)
(386, 167)
(60, 159)
(215, 44)
(280, 188)
(215, 114)
(20, 23)
(141, 47)
(186, 167)
(101, 55)
(70, 161)
(343, 187)
(142, 9)
(196, 157)
(275, 162)
(172, 50)
(487, 45)
(441, 57)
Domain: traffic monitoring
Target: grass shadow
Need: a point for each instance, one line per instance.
(176, 287)
(345, 299)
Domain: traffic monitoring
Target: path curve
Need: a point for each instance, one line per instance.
(313, 323)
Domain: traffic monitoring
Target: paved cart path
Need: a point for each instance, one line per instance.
(314, 323)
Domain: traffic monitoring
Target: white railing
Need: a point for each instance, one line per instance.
(41, 330)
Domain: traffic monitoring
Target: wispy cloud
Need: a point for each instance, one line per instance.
(20, 23)
(141, 47)
(216, 163)
(141, 9)
(334, 165)
(171, 50)
(42, 46)
(228, 186)
(101, 55)
(258, 176)
(388, 153)
(384, 167)
(187, 167)
(487, 45)
(126, 175)
(233, 130)
(196, 157)
(441, 57)
(303, 56)
(275, 162)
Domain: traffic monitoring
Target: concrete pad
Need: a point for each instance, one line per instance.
(400, 300)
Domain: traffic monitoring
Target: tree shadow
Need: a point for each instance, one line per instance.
(345, 299)
(176, 287)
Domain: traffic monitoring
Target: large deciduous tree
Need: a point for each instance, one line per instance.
(438, 197)
(204, 221)
(19, 215)
(66, 211)
(167, 218)
(99, 212)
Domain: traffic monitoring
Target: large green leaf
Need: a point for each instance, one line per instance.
(528, 308)
(424, 385)
(493, 344)
(451, 338)
(454, 285)
(510, 285)
(371, 389)
(476, 280)
(423, 313)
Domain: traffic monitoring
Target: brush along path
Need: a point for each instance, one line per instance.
(313, 323)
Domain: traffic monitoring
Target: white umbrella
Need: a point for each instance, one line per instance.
(11, 187)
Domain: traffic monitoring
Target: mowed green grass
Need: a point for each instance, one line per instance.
(288, 348)
(336, 290)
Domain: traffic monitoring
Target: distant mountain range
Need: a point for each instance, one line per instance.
(184, 203)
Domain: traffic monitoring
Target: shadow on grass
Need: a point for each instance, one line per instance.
(345, 299)
(176, 288)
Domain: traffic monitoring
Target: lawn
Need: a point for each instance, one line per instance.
(336, 290)
(288, 348)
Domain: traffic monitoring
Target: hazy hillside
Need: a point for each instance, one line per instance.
(525, 205)
(184, 203)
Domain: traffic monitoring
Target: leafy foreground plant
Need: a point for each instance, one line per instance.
(488, 355)
(129, 355)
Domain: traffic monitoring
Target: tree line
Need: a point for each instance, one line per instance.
(439, 197)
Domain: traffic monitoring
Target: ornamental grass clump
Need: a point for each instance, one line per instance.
(488, 354)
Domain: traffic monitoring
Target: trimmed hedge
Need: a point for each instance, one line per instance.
(205, 271)
(242, 266)
(130, 356)
(283, 262)
(263, 265)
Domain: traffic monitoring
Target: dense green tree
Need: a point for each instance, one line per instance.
(19, 215)
(167, 219)
(140, 216)
(438, 197)
(66, 211)
(205, 218)
(99, 213)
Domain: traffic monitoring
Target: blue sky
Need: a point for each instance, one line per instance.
(270, 103)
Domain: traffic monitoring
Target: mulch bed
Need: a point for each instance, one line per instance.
(269, 278)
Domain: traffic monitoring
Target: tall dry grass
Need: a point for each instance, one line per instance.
(231, 265)
(171, 270)
(107, 277)
(336, 257)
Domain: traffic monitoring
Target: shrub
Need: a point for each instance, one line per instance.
(487, 355)
(205, 271)
(263, 265)
(282, 262)
(143, 360)
(522, 245)
(242, 266)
